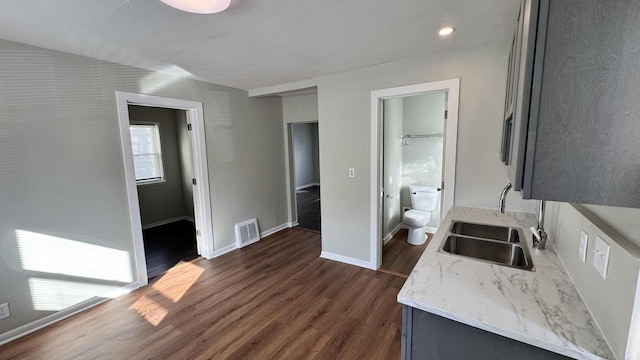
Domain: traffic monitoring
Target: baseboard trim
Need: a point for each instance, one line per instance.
(63, 314)
(274, 230)
(224, 250)
(292, 224)
(306, 186)
(391, 234)
(167, 221)
(347, 260)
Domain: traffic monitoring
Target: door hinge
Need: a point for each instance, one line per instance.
(193, 181)
(189, 127)
(197, 232)
(446, 114)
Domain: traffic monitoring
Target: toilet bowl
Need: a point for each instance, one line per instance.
(424, 200)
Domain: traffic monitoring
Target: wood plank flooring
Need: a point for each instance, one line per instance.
(399, 257)
(308, 205)
(167, 245)
(275, 299)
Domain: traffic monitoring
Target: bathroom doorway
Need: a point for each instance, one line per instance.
(415, 133)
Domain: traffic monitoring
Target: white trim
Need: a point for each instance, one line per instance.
(307, 185)
(347, 260)
(293, 224)
(392, 234)
(274, 230)
(452, 87)
(202, 199)
(167, 221)
(63, 314)
(224, 250)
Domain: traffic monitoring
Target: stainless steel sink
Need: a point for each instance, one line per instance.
(501, 253)
(492, 232)
(500, 245)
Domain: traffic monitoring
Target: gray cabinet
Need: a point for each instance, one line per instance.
(429, 336)
(577, 110)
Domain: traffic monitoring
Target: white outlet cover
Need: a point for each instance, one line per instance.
(4, 311)
(601, 256)
(582, 248)
(352, 172)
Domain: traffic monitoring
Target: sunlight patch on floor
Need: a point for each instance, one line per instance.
(178, 280)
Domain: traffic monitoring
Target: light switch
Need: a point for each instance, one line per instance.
(352, 172)
(582, 248)
(601, 256)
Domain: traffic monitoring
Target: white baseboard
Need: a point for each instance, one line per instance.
(306, 186)
(390, 235)
(274, 230)
(168, 221)
(63, 314)
(347, 260)
(224, 250)
(293, 224)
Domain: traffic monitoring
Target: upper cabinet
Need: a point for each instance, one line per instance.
(571, 130)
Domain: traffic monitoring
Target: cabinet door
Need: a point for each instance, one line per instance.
(511, 93)
(587, 148)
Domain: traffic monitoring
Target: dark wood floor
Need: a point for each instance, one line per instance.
(275, 299)
(308, 204)
(399, 257)
(167, 245)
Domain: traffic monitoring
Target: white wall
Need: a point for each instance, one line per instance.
(422, 157)
(611, 301)
(62, 171)
(186, 161)
(392, 165)
(345, 124)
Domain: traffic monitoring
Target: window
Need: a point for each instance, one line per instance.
(147, 157)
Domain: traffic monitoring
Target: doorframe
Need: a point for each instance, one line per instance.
(292, 205)
(452, 87)
(202, 199)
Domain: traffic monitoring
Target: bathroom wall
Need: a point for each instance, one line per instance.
(614, 302)
(422, 157)
(392, 166)
(186, 161)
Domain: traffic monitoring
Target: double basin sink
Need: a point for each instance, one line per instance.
(500, 245)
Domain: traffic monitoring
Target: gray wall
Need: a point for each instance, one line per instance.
(305, 153)
(162, 201)
(344, 103)
(300, 108)
(62, 170)
(186, 161)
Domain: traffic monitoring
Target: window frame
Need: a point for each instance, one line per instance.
(162, 178)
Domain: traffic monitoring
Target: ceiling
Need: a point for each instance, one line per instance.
(256, 43)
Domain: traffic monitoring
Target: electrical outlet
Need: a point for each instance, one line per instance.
(4, 311)
(582, 248)
(601, 256)
(352, 172)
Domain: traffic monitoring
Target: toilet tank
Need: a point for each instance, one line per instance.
(424, 197)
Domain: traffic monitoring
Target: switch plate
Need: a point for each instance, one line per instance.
(582, 248)
(4, 311)
(352, 172)
(601, 256)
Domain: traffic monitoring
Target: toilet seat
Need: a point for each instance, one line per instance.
(416, 218)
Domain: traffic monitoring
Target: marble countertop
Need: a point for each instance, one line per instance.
(541, 308)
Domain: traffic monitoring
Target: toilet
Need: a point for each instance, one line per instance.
(424, 200)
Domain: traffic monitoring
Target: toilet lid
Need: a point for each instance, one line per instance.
(417, 214)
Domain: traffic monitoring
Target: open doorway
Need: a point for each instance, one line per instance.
(306, 174)
(414, 130)
(145, 182)
(161, 149)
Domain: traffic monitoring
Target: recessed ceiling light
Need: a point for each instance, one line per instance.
(447, 30)
(199, 6)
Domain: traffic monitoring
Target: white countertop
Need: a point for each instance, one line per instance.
(541, 308)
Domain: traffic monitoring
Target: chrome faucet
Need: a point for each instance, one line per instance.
(539, 235)
(503, 197)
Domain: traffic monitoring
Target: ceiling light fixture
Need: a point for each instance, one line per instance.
(199, 6)
(447, 30)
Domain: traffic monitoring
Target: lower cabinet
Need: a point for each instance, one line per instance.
(429, 336)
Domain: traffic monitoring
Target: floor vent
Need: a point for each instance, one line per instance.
(247, 233)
